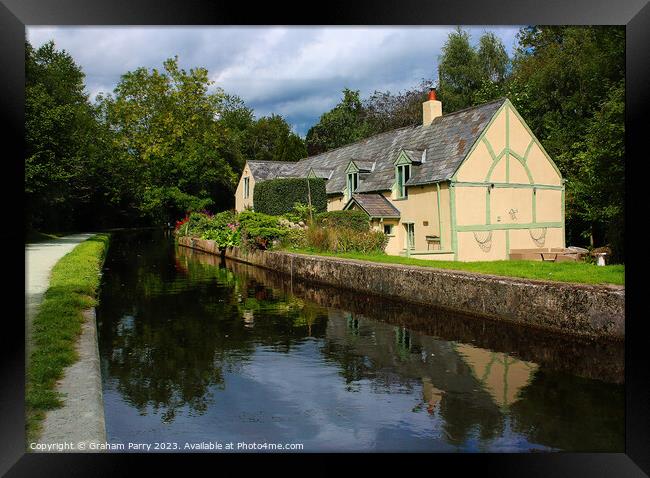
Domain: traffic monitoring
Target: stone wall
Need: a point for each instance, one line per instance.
(576, 309)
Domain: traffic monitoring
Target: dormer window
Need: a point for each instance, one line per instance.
(403, 174)
(403, 163)
(353, 182)
(354, 173)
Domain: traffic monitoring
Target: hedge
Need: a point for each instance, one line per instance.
(278, 196)
(349, 219)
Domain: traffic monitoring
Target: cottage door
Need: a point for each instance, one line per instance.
(410, 235)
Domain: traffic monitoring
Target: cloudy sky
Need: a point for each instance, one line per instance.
(296, 72)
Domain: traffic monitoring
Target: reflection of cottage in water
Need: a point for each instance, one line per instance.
(467, 385)
(502, 375)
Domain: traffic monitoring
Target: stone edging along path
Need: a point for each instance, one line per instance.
(575, 309)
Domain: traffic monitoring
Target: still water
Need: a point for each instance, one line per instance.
(196, 350)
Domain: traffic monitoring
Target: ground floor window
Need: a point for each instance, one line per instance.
(388, 229)
(246, 187)
(410, 235)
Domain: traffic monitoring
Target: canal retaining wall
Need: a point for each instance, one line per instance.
(596, 311)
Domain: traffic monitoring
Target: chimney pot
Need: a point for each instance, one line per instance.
(432, 94)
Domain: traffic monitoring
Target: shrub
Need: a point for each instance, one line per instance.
(227, 236)
(221, 228)
(356, 220)
(259, 231)
(344, 239)
(279, 196)
(349, 240)
(294, 238)
(319, 238)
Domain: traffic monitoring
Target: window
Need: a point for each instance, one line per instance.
(388, 229)
(246, 187)
(353, 182)
(410, 235)
(403, 175)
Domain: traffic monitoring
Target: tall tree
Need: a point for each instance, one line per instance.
(574, 79)
(470, 76)
(385, 111)
(58, 136)
(493, 58)
(344, 124)
(460, 72)
(270, 138)
(166, 124)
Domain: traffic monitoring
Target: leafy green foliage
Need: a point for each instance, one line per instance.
(222, 228)
(259, 230)
(294, 238)
(164, 123)
(350, 219)
(247, 229)
(161, 144)
(59, 136)
(270, 139)
(279, 196)
(342, 125)
(385, 111)
(574, 103)
(464, 70)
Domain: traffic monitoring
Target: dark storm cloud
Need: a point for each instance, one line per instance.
(296, 72)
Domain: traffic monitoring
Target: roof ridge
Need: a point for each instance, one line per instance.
(358, 141)
(415, 125)
(500, 99)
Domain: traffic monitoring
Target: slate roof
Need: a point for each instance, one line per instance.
(447, 140)
(375, 204)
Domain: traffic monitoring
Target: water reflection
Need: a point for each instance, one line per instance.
(197, 350)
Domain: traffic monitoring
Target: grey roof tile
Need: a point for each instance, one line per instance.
(447, 140)
(375, 204)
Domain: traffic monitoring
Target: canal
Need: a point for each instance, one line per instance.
(198, 350)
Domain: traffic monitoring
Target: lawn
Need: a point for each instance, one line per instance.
(57, 325)
(579, 272)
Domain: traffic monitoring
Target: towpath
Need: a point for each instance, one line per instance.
(40, 258)
(81, 418)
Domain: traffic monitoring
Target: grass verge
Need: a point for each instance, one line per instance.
(578, 272)
(73, 286)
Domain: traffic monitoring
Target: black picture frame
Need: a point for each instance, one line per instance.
(16, 14)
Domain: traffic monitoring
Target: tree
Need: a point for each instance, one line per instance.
(385, 111)
(59, 125)
(470, 76)
(493, 58)
(270, 138)
(166, 124)
(574, 79)
(460, 72)
(344, 124)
